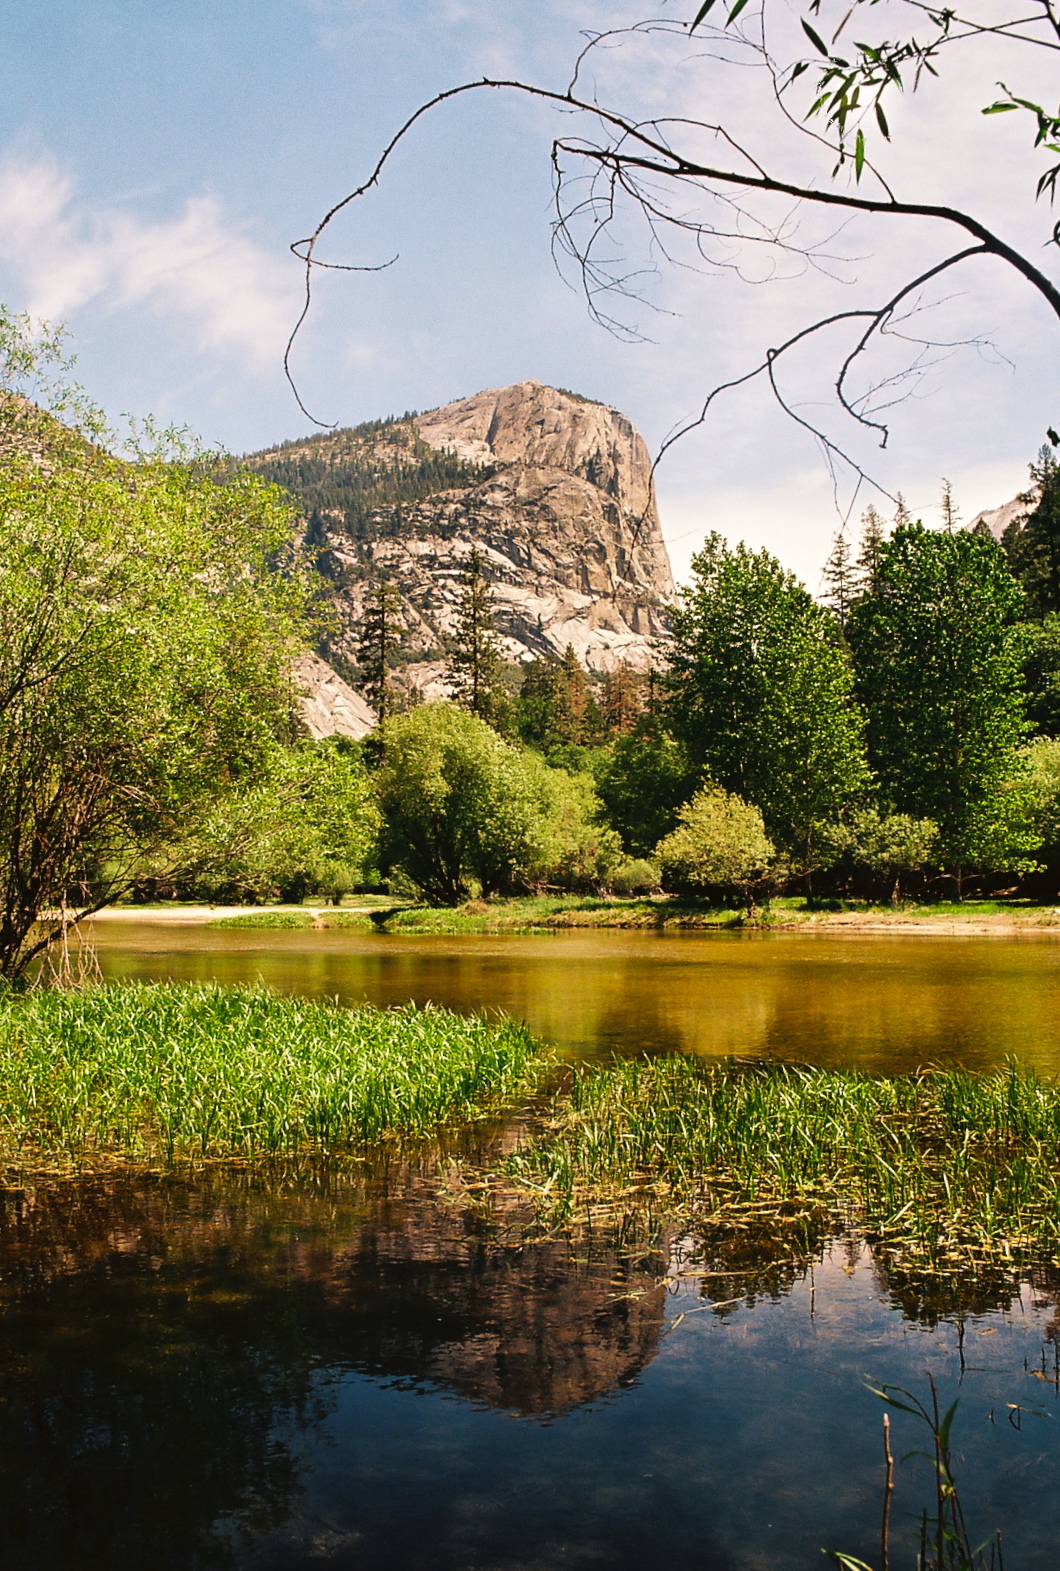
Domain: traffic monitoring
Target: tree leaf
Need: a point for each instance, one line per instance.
(734, 13)
(815, 39)
(881, 120)
(701, 13)
(998, 109)
(859, 154)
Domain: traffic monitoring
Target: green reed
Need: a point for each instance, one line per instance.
(164, 1072)
(947, 1168)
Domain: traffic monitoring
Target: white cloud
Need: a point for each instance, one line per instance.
(197, 270)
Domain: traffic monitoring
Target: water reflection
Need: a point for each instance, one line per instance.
(160, 1341)
(880, 1001)
(231, 1374)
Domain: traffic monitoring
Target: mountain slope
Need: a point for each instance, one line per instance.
(553, 490)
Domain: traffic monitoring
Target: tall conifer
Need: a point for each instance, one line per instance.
(474, 664)
(379, 632)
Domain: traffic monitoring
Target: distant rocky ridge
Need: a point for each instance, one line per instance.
(552, 489)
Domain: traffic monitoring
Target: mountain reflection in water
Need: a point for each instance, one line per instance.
(225, 1373)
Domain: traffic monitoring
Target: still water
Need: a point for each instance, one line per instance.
(879, 1001)
(349, 1371)
(353, 1376)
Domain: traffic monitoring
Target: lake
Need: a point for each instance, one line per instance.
(843, 998)
(348, 1370)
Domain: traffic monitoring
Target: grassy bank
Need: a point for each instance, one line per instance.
(166, 1072)
(951, 1171)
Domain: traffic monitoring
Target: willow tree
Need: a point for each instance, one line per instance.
(146, 639)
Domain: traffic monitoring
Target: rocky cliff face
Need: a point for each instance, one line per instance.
(553, 491)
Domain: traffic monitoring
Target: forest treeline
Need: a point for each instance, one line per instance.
(901, 738)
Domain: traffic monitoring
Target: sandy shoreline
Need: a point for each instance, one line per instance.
(1039, 920)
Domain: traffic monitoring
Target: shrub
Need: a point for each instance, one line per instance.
(719, 844)
(635, 876)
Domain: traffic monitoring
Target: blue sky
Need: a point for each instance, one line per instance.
(157, 159)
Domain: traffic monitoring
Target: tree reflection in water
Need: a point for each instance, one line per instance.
(158, 1337)
(172, 1352)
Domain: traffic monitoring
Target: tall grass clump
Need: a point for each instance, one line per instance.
(173, 1072)
(948, 1169)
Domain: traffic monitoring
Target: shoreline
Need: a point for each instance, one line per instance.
(640, 916)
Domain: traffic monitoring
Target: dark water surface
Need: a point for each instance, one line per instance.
(878, 1001)
(229, 1375)
(352, 1372)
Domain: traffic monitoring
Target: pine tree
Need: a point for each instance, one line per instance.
(1032, 542)
(947, 506)
(623, 703)
(873, 535)
(379, 630)
(572, 698)
(840, 577)
(902, 515)
(474, 664)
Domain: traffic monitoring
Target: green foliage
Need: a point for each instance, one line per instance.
(145, 649)
(175, 1072)
(635, 876)
(720, 843)
(1032, 542)
(457, 803)
(265, 921)
(460, 805)
(937, 654)
(556, 706)
(761, 693)
(576, 851)
(305, 824)
(473, 666)
(642, 784)
(888, 845)
(376, 645)
(1041, 759)
(366, 478)
(1041, 674)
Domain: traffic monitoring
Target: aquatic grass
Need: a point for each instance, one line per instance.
(161, 1072)
(547, 913)
(948, 1170)
(264, 921)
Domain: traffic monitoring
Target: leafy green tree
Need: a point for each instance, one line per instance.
(937, 652)
(457, 803)
(642, 784)
(461, 806)
(761, 694)
(145, 650)
(474, 663)
(1042, 765)
(577, 851)
(306, 824)
(1041, 674)
(720, 843)
(888, 846)
(1032, 542)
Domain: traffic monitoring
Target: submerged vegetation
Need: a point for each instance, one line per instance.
(947, 1171)
(166, 1073)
